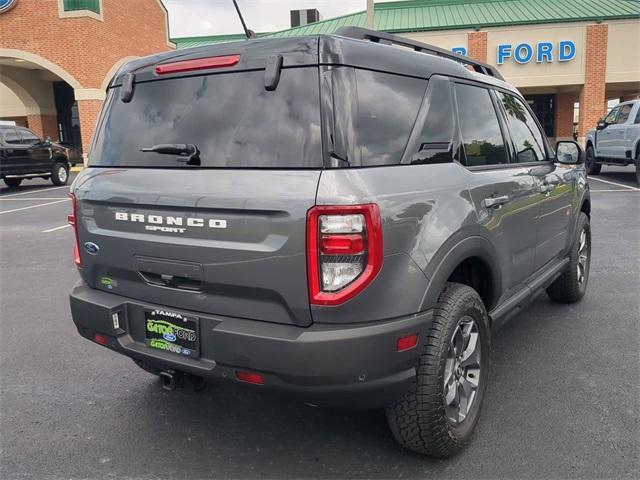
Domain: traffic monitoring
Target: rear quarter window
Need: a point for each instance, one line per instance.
(387, 109)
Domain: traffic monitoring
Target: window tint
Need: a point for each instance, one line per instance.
(387, 109)
(524, 132)
(432, 141)
(611, 117)
(28, 137)
(232, 119)
(623, 116)
(11, 136)
(481, 136)
(637, 116)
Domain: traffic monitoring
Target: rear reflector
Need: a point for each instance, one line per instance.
(407, 343)
(249, 377)
(73, 221)
(342, 244)
(101, 339)
(198, 64)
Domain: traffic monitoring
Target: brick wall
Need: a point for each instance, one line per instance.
(85, 47)
(88, 111)
(44, 125)
(564, 114)
(592, 96)
(477, 45)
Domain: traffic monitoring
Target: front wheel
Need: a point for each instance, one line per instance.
(439, 412)
(593, 168)
(60, 174)
(571, 286)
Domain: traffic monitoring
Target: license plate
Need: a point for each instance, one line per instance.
(172, 332)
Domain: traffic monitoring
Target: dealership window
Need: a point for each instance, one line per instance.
(544, 108)
(80, 8)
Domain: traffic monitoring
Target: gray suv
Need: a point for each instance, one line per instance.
(329, 217)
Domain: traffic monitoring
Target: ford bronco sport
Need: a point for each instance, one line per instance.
(331, 217)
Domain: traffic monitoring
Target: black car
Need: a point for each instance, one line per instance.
(24, 155)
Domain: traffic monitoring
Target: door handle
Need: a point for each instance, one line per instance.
(495, 202)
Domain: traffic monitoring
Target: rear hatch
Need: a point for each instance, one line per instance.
(222, 231)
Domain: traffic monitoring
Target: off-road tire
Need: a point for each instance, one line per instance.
(592, 167)
(60, 174)
(567, 288)
(418, 420)
(12, 182)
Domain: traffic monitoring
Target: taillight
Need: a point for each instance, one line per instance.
(197, 64)
(73, 221)
(344, 251)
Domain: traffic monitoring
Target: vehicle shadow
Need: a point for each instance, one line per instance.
(624, 175)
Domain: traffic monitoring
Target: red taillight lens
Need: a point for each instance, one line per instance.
(101, 339)
(250, 377)
(407, 343)
(198, 64)
(73, 221)
(344, 251)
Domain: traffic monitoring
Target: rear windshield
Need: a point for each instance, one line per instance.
(231, 118)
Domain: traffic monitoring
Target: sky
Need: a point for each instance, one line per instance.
(192, 18)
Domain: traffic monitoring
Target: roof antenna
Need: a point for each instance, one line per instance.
(247, 32)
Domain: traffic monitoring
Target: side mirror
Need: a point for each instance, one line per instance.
(601, 125)
(568, 153)
(46, 141)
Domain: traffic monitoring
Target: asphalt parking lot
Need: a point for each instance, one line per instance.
(563, 400)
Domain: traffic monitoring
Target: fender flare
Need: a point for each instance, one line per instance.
(453, 252)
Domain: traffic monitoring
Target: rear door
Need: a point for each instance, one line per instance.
(504, 192)
(226, 236)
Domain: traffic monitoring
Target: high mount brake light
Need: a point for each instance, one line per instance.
(197, 64)
(344, 251)
(73, 221)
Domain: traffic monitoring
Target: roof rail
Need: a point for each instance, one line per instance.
(388, 39)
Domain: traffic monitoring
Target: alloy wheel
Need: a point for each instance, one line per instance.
(583, 257)
(462, 370)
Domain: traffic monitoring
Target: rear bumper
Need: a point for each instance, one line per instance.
(346, 366)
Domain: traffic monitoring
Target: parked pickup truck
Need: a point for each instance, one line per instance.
(616, 139)
(24, 155)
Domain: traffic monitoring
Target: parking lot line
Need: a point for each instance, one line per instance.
(33, 191)
(55, 228)
(30, 199)
(614, 183)
(616, 191)
(34, 206)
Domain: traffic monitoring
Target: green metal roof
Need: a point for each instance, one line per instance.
(188, 42)
(425, 15)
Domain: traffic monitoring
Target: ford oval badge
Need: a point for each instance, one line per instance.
(91, 248)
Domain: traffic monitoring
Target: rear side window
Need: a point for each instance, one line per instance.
(387, 108)
(11, 136)
(482, 139)
(231, 118)
(524, 131)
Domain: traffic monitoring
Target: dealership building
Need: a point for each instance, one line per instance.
(568, 57)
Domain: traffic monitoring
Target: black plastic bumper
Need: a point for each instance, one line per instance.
(355, 366)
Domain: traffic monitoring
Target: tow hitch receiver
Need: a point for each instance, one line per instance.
(171, 380)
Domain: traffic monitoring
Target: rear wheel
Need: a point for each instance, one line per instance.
(13, 182)
(572, 284)
(60, 174)
(438, 414)
(593, 168)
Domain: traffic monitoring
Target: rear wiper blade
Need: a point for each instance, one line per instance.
(187, 152)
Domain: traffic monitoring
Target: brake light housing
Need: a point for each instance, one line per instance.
(73, 221)
(206, 63)
(344, 251)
